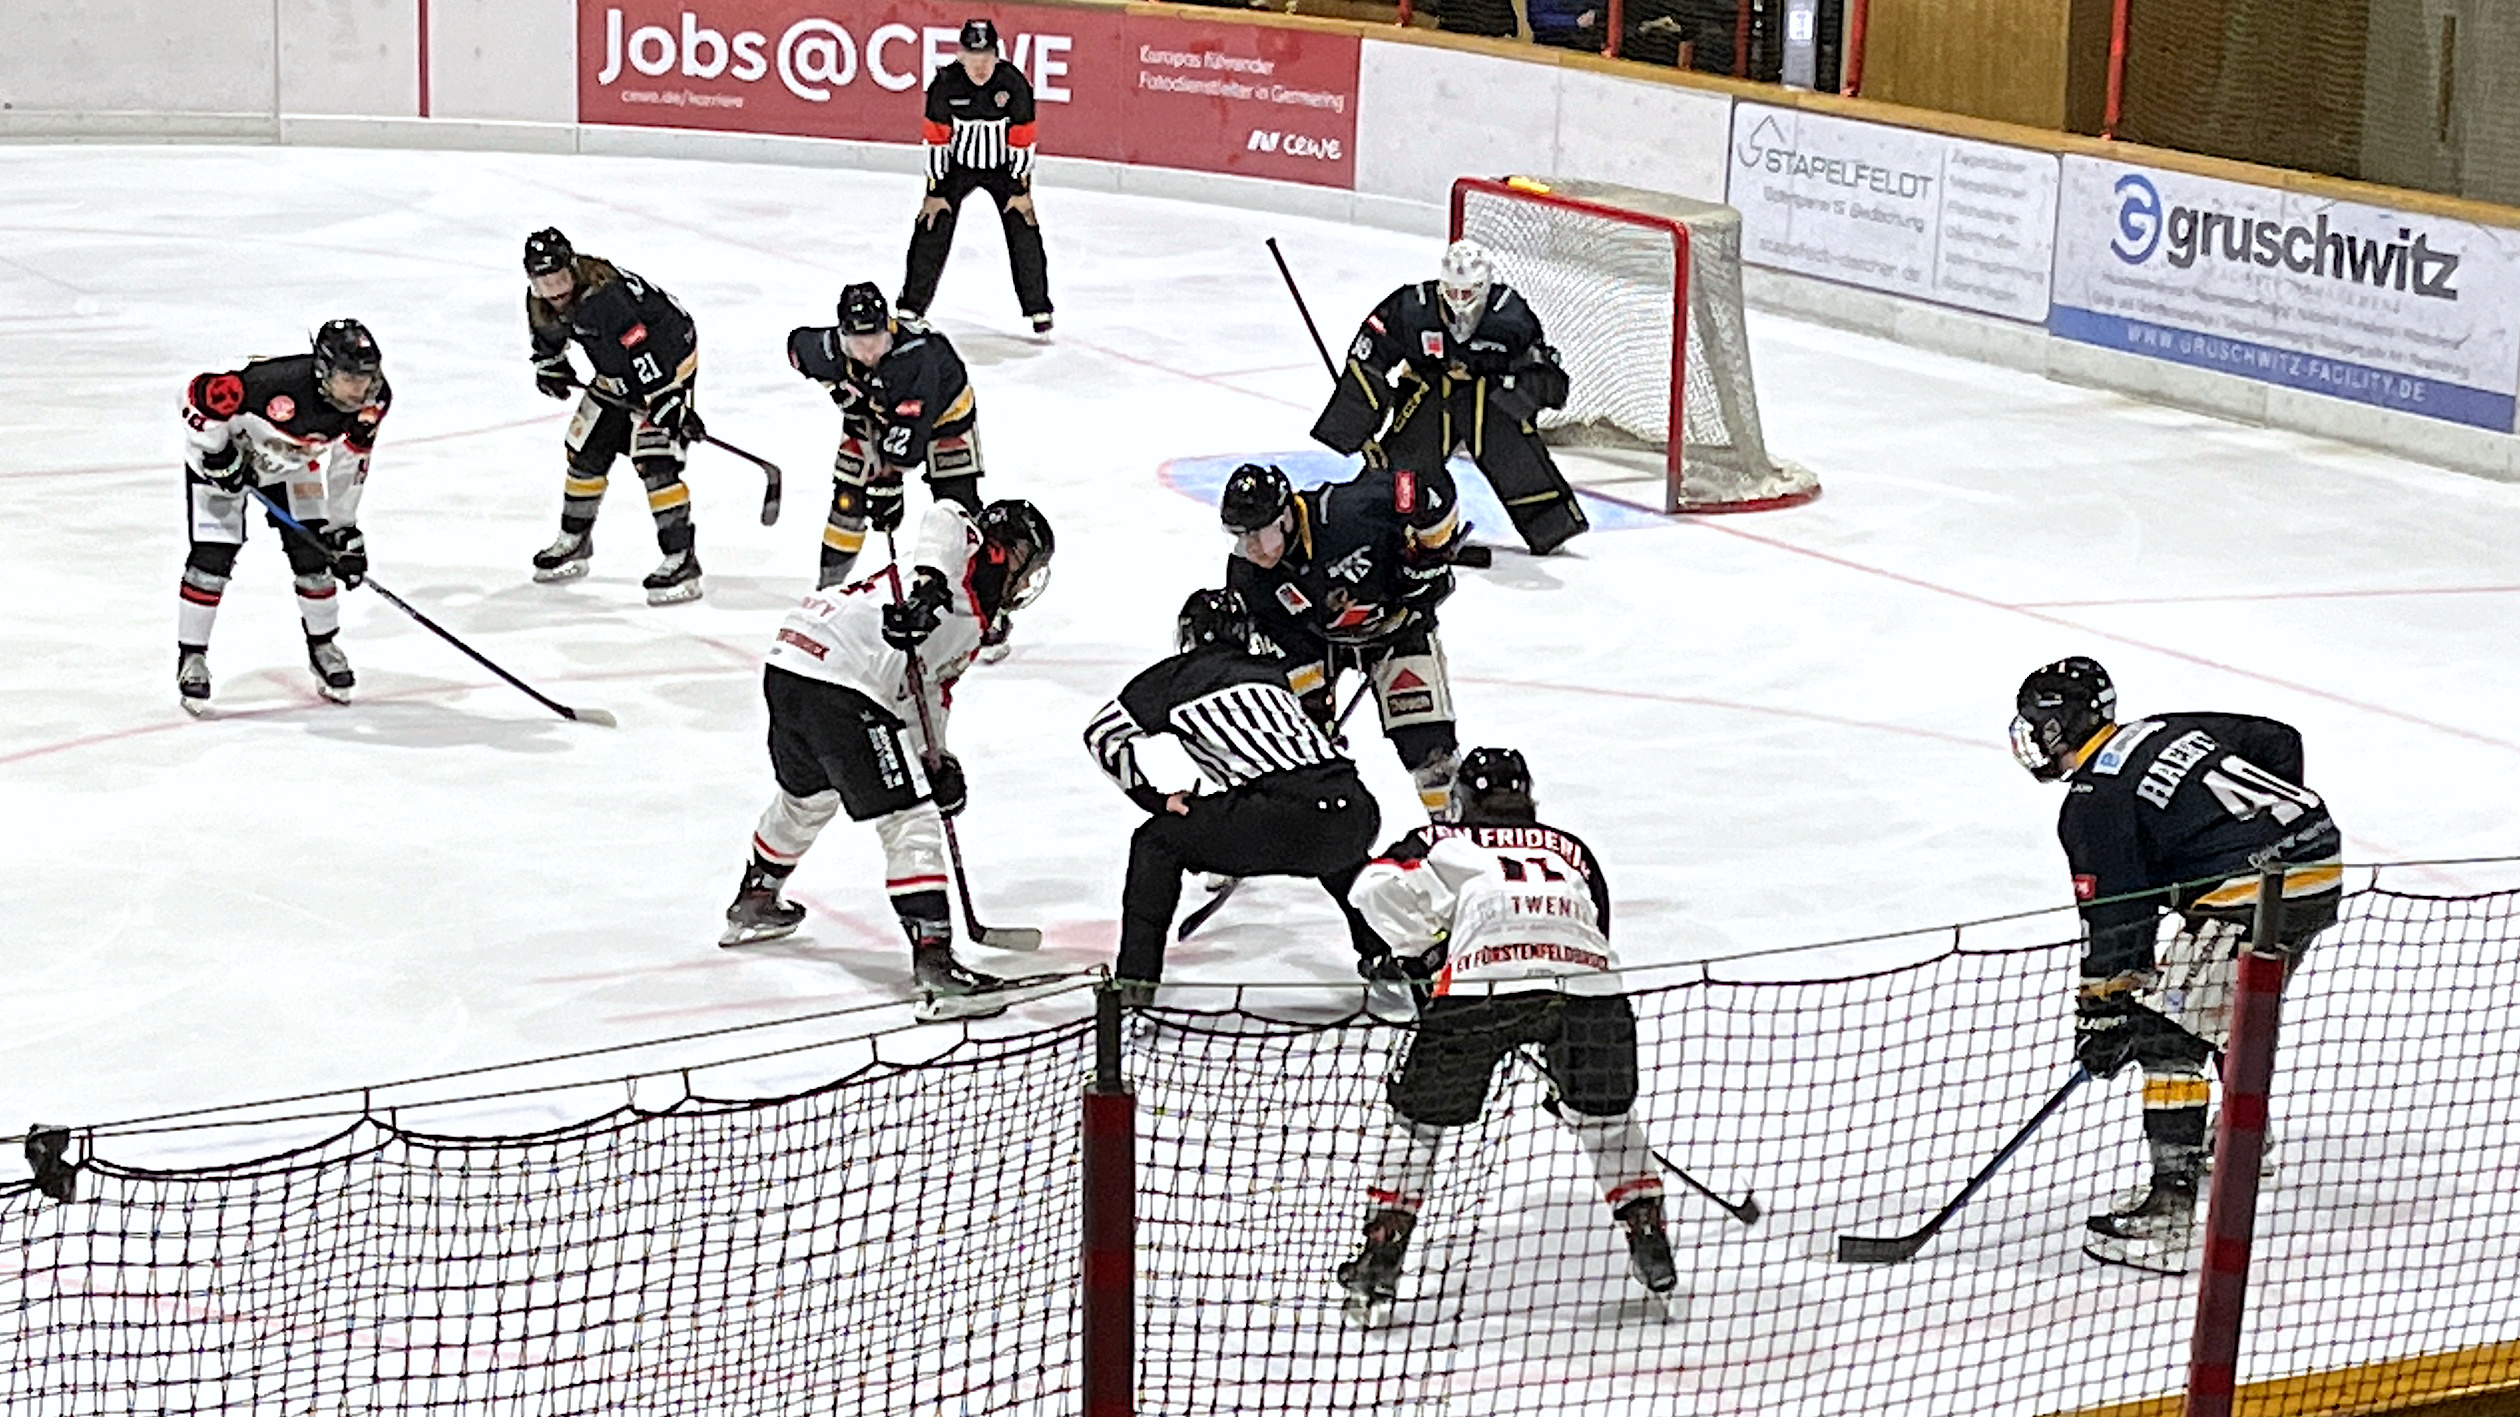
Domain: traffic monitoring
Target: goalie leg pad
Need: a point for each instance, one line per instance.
(790, 824)
(914, 853)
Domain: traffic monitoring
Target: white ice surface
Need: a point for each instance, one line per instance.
(1774, 729)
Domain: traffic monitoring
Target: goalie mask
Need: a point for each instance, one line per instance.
(2061, 707)
(1463, 285)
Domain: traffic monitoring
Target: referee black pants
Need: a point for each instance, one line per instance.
(1320, 822)
(932, 240)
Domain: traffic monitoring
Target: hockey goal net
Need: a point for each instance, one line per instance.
(1640, 292)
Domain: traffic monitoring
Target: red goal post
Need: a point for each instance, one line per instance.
(1640, 293)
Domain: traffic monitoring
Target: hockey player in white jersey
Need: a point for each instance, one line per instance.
(1507, 923)
(844, 733)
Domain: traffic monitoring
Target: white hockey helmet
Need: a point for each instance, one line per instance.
(1463, 283)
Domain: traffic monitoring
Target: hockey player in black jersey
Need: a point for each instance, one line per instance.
(978, 133)
(646, 355)
(302, 427)
(906, 409)
(1507, 920)
(1347, 575)
(2178, 812)
(1454, 362)
(1290, 804)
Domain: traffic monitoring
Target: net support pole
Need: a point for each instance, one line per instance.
(1858, 13)
(2115, 105)
(1108, 1292)
(2248, 1076)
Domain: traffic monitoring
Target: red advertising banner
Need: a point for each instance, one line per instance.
(1211, 96)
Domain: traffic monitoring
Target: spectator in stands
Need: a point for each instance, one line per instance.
(1567, 24)
(1492, 18)
(1656, 29)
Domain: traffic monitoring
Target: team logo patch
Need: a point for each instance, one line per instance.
(634, 336)
(1402, 705)
(1432, 341)
(1293, 600)
(281, 409)
(224, 395)
(909, 408)
(1404, 491)
(1001, 100)
(1406, 679)
(2086, 887)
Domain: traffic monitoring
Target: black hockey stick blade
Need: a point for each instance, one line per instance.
(1476, 556)
(1191, 922)
(1892, 1249)
(578, 715)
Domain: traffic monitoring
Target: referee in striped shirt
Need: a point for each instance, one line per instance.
(1291, 804)
(979, 136)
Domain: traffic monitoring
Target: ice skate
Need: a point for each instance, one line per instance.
(948, 988)
(2154, 1231)
(566, 558)
(1041, 324)
(675, 580)
(192, 680)
(1649, 1248)
(993, 641)
(758, 914)
(1372, 1279)
(333, 678)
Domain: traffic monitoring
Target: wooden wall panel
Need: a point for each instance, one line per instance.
(2001, 59)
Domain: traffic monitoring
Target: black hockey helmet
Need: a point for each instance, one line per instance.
(346, 347)
(547, 251)
(2060, 708)
(1013, 563)
(863, 311)
(1256, 495)
(1213, 617)
(979, 37)
(1493, 785)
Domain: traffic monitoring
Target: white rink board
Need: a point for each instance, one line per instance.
(1897, 210)
(2415, 313)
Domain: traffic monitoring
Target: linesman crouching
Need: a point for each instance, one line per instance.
(1291, 804)
(1509, 921)
(645, 352)
(1347, 575)
(2178, 813)
(1459, 362)
(844, 732)
(978, 131)
(906, 410)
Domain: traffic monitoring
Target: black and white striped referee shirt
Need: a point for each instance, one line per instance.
(985, 127)
(1232, 712)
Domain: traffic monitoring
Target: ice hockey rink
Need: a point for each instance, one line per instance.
(1775, 729)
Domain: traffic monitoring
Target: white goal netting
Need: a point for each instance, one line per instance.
(1603, 267)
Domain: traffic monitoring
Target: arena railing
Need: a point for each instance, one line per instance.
(1080, 1208)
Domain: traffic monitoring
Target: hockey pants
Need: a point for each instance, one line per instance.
(1317, 822)
(932, 240)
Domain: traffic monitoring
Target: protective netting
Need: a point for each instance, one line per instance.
(905, 1239)
(2410, 94)
(900, 1241)
(1618, 276)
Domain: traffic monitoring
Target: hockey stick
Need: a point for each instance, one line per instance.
(1860, 1249)
(1014, 937)
(771, 488)
(1217, 898)
(581, 715)
(1747, 1211)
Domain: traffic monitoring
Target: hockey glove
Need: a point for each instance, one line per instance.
(553, 378)
(348, 546)
(884, 499)
(227, 469)
(673, 413)
(847, 395)
(908, 624)
(1422, 588)
(2104, 1027)
(946, 785)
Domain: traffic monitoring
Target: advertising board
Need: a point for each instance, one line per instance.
(1895, 210)
(2404, 311)
(1147, 89)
